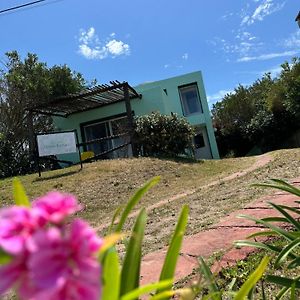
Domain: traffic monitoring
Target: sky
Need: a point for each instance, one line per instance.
(231, 41)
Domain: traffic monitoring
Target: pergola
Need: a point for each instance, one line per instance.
(99, 96)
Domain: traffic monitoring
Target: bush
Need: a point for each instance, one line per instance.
(162, 135)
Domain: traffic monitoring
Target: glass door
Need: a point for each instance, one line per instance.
(120, 126)
(97, 131)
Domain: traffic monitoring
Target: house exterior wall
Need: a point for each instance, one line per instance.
(162, 96)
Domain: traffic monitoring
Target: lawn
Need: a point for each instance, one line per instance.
(104, 185)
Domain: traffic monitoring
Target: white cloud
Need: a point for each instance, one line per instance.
(293, 41)
(92, 53)
(242, 44)
(211, 99)
(264, 9)
(117, 48)
(227, 16)
(267, 56)
(91, 47)
(275, 71)
(185, 56)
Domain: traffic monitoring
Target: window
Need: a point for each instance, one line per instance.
(199, 141)
(190, 99)
(94, 132)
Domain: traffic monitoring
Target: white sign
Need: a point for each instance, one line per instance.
(56, 143)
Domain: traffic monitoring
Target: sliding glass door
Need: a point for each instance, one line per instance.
(104, 129)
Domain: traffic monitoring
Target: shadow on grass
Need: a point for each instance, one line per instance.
(69, 173)
(186, 160)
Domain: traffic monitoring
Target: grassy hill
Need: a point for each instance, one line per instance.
(104, 185)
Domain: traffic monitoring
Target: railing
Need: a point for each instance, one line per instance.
(108, 147)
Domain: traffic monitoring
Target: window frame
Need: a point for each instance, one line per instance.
(193, 84)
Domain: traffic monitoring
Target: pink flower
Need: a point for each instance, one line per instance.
(16, 225)
(56, 206)
(12, 273)
(63, 264)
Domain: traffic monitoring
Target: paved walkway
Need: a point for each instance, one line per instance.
(220, 237)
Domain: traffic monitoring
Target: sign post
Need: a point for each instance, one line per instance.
(56, 143)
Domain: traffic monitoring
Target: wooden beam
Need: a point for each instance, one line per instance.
(129, 117)
(31, 138)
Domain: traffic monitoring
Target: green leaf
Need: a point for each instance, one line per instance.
(283, 281)
(108, 243)
(281, 293)
(130, 273)
(213, 288)
(274, 219)
(185, 294)
(116, 214)
(276, 229)
(146, 289)
(163, 295)
(284, 290)
(5, 258)
(285, 252)
(252, 280)
(293, 291)
(134, 200)
(170, 262)
(231, 285)
(257, 245)
(281, 185)
(290, 219)
(294, 263)
(20, 197)
(293, 209)
(111, 276)
(262, 233)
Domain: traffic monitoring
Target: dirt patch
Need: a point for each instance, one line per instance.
(260, 161)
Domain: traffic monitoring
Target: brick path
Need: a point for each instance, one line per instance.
(219, 237)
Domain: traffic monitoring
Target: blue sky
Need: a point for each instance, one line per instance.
(230, 41)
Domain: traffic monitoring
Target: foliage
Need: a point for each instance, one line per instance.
(286, 254)
(24, 83)
(162, 135)
(209, 289)
(263, 114)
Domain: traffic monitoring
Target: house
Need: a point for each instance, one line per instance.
(183, 95)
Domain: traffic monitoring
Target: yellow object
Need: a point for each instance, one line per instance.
(87, 154)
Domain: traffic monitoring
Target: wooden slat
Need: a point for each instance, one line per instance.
(98, 96)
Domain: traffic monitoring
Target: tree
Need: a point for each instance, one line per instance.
(263, 114)
(24, 83)
(231, 117)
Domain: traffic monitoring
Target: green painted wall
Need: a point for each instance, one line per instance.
(160, 96)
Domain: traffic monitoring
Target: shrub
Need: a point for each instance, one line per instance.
(162, 135)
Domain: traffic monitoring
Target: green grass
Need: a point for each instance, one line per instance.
(243, 268)
(102, 186)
